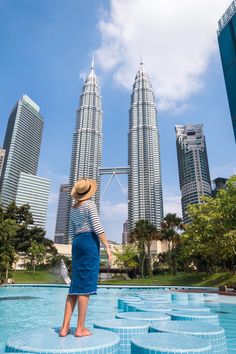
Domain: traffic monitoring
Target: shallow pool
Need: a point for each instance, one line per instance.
(36, 307)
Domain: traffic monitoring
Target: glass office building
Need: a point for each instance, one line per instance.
(227, 45)
(34, 190)
(22, 144)
(2, 157)
(61, 214)
(194, 175)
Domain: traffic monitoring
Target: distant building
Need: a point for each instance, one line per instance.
(125, 233)
(194, 175)
(61, 214)
(22, 144)
(34, 190)
(227, 45)
(2, 156)
(18, 182)
(218, 183)
(63, 250)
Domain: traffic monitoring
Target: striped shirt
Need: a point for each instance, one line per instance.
(85, 218)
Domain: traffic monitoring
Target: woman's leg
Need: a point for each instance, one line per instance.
(82, 307)
(69, 308)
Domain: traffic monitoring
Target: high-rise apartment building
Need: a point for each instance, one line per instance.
(61, 214)
(87, 138)
(2, 157)
(217, 184)
(227, 45)
(194, 176)
(34, 190)
(22, 144)
(144, 181)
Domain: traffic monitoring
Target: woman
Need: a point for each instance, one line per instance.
(86, 232)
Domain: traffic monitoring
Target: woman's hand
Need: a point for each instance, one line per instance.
(109, 256)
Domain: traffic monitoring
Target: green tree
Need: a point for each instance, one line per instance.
(20, 237)
(8, 229)
(36, 254)
(210, 237)
(127, 257)
(170, 232)
(143, 234)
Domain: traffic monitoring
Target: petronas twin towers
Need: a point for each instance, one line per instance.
(144, 177)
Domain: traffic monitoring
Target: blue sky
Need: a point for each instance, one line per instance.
(46, 48)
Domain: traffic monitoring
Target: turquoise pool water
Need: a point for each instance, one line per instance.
(36, 307)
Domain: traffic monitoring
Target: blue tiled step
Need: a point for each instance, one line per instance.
(149, 307)
(122, 300)
(143, 316)
(126, 329)
(213, 334)
(190, 308)
(164, 343)
(199, 316)
(47, 341)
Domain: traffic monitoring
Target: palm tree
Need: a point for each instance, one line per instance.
(171, 226)
(143, 234)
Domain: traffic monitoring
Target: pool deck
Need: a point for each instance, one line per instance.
(195, 289)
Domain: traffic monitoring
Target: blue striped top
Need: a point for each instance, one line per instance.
(85, 218)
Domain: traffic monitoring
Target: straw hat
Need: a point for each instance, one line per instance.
(84, 189)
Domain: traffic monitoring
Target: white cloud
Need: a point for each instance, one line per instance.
(113, 215)
(176, 40)
(172, 204)
(110, 211)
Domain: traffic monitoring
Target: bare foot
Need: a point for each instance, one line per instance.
(64, 332)
(81, 332)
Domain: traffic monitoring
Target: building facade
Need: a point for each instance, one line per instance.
(144, 181)
(125, 233)
(61, 214)
(22, 144)
(217, 184)
(227, 45)
(2, 157)
(87, 139)
(194, 175)
(34, 190)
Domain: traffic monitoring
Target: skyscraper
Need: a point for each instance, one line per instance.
(22, 144)
(87, 138)
(194, 176)
(125, 233)
(2, 157)
(144, 181)
(34, 190)
(227, 45)
(61, 214)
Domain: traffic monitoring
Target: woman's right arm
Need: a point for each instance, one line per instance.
(95, 221)
(102, 237)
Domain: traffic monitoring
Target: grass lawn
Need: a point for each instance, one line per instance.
(40, 277)
(187, 279)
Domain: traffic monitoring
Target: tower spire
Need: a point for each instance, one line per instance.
(92, 63)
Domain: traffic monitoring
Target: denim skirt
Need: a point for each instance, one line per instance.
(85, 264)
